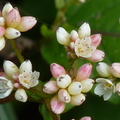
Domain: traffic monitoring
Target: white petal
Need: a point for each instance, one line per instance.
(2, 43)
(26, 66)
(99, 89)
(107, 94)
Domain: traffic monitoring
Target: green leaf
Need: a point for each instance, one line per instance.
(45, 112)
(7, 112)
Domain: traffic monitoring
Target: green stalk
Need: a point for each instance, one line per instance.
(16, 50)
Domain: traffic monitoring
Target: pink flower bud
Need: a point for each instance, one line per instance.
(13, 18)
(57, 70)
(64, 96)
(26, 23)
(51, 87)
(84, 72)
(115, 69)
(56, 105)
(2, 31)
(97, 56)
(86, 118)
(96, 39)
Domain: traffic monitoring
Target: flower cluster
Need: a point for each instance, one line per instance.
(68, 88)
(81, 44)
(11, 23)
(18, 79)
(107, 82)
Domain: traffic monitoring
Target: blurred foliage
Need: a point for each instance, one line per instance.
(103, 17)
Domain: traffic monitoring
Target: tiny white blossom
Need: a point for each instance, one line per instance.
(105, 88)
(6, 87)
(83, 47)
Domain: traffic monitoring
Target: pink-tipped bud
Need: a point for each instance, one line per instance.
(87, 85)
(2, 31)
(11, 33)
(64, 81)
(74, 35)
(84, 72)
(2, 21)
(6, 9)
(115, 69)
(96, 39)
(56, 105)
(13, 18)
(117, 88)
(26, 23)
(51, 87)
(77, 99)
(64, 96)
(86, 118)
(97, 56)
(75, 88)
(57, 70)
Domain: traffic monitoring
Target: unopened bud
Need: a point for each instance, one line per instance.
(74, 35)
(26, 23)
(63, 36)
(117, 88)
(6, 9)
(96, 39)
(2, 31)
(87, 85)
(84, 30)
(63, 81)
(21, 95)
(51, 87)
(97, 55)
(2, 21)
(13, 18)
(10, 68)
(103, 69)
(72, 45)
(84, 72)
(115, 69)
(75, 88)
(11, 33)
(77, 99)
(57, 70)
(57, 106)
(2, 43)
(64, 96)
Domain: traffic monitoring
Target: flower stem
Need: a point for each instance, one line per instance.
(17, 51)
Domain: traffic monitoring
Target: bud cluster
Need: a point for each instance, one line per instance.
(68, 89)
(18, 79)
(11, 23)
(107, 82)
(81, 44)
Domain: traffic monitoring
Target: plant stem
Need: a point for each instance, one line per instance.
(17, 51)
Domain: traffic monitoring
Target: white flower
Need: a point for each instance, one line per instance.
(6, 87)
(83, 47)
(105, 88)
(24, 74)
